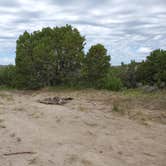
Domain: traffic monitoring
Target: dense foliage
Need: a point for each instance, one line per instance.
(153, 70)
(128, 74)
(96, 66)
(49, 57)
(55, 56)
(7, 76)
(112, 80)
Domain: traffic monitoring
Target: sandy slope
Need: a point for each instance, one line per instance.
(81, 133)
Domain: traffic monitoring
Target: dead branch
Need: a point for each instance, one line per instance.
(17, 153)
(55, 100)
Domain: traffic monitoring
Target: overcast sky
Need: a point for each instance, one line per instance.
(129, 29)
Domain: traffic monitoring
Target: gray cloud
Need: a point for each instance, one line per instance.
(129, 29)
(9, 3)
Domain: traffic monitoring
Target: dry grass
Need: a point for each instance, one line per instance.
(1, 123)
(134, 104)
(6, 96)
(139, 106)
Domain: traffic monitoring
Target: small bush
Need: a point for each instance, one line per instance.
(113, 83)
(116, 108)
(8, 76)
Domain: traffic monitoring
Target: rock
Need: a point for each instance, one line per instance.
(12, 135)
(149, 89)
(162, 85)
(18, 139)
(139, 84)
(2, 126)
(100, 151)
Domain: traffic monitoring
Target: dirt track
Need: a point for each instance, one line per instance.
(83, 132)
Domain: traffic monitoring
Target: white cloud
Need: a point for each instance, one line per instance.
(129, 29)
(144, 50)
(6, 60)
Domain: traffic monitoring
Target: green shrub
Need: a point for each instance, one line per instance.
(113, 83)
(117, 109)
(8, 76)
(96, 66)
(50, 57)
(112, 80)
(152, 71)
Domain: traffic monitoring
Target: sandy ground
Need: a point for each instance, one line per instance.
(83, 132)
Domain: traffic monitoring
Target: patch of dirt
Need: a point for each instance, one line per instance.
(87, 131)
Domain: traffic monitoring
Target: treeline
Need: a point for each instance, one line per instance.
(150, 72)
(55, 56)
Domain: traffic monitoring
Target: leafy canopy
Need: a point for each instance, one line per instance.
(96, 65)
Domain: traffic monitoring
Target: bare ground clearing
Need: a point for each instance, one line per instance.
(97, 128)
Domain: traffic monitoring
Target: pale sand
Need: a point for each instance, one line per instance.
(81, 133)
